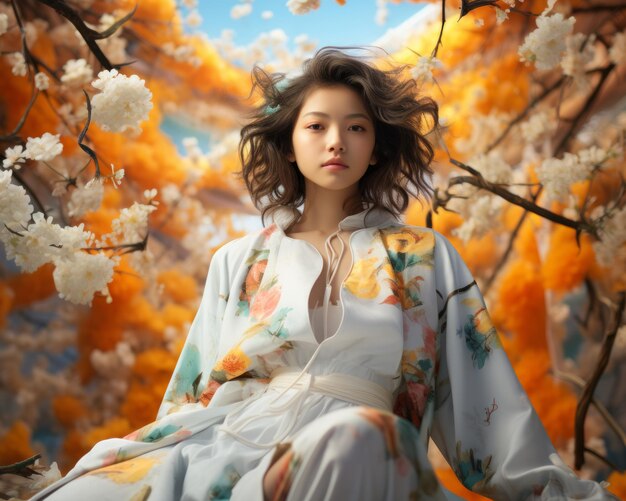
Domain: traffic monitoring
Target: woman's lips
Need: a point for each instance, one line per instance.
(334, 167)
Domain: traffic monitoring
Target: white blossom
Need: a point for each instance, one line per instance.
(481, 215)
(382, 12)
(501, 15)
(557, 174)
(13, 157)
(44, 241)
(86, 198)
(299, 7)
(46, 477)
(493, 167)
(193, 19)
(617, 52)
(4, 23)
(539, 125)
(479, 21)
(79, 278)
(545, 45)
(241, 10)
(15, 206)
(266, 15)
(424, 67)
(42, 82)
(123, 102)
(116, 176)
(44, 148)
(132, 223)
(574, 60)
(612, 233)
(76, 72)
(18, 64)
(191, 148)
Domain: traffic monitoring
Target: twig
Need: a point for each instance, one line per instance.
(585, 399)
(497, 189)
(21, 467)
(602, 410)
(31, 192)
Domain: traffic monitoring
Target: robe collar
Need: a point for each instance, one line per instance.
(372, 216)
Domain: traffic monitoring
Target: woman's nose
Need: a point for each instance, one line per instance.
(335, 140)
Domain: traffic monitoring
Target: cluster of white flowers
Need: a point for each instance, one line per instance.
(617, 52)
(192, 149)
(77, 275)
(44, 148)
(42, 82)
(193, 19)
(545, 45)
(15, 206)
(44, 241)
(13, 157)
(18, 64)
(132, 223)
(123, 102)
(539, 125)
(575, 61)
(382, 12)
(485, 129)
(79, 278)
(241, 10)
(86, 198)
(111, 362)
(612, 232)
(493, 167)
(557, 174)
(299, 7)
(423, 69)
(502, 15)
(479, 218)
(182, 53)
(76, 73)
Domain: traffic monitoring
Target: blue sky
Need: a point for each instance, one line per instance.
(331, 24)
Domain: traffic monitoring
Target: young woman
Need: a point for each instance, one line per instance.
(330, 345)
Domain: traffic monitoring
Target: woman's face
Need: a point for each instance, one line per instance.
(333, 126)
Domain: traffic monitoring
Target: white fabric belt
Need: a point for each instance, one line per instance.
(342, 386)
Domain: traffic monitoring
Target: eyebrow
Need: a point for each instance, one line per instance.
(326, 115)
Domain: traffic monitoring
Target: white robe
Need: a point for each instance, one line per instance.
(413, 327)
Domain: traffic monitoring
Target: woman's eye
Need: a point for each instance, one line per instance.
(314, 126)
(358, 127)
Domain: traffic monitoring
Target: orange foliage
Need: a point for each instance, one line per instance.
(554, 401)
(449, 480)
(68, 409)
(520, 305)
(32, 287)
(15, 444)
(179, 286)
(151, 374)
(565, 265)
(6, 301)
(617, 485)
(78, 443)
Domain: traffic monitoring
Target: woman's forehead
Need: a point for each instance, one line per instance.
(332, 101)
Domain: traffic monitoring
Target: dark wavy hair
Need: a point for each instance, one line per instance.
(403, 154)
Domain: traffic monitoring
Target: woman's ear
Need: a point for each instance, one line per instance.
(373, 159)
(291, 157)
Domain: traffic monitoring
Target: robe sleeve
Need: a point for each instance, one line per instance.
(484, 423)
(189, 386)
